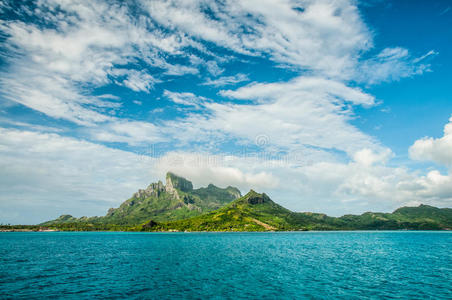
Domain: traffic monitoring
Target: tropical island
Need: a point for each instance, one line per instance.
(177, 206)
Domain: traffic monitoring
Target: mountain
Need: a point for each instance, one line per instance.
(177, 206)
(176, 199)
(257, 212)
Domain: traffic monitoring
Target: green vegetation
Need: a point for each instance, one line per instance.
(176, 206)
(423, 217)
(253, 212)
(257, 212)
(25, 228)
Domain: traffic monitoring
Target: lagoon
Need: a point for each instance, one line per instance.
(374, 264)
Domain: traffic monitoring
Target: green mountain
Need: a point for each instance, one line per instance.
(257, 212)
(176, 199)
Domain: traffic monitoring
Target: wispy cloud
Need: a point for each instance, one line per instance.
(326, 37)
(392, 64)
(226, 80)
(445, 11)
(303, 112)
(137, 81)
(54, 66)
(186, 99)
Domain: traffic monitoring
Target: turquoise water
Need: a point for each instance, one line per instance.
(226, 265)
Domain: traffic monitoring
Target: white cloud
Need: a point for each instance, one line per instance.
(437, 150)
(186, 99)
(139, 81)
(29, 126)
(367, 157)
(326, 37)
(89, 43)
(53, 66)
(392, 64)
(319, 85)
(433, 188)
(127, 131)
(431, 53)
(53, 95)
(226, 80)
(213, 68)
(222, 170)
(179, 70)
(45, 175)
(306, 111)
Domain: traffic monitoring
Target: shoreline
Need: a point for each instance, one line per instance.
(269, 231)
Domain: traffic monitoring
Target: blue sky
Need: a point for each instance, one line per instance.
(327, 106)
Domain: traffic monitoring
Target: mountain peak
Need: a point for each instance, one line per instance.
(253, 197)
(174, 181)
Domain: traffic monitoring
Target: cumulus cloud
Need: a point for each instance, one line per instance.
(437, 150)
(367, 157)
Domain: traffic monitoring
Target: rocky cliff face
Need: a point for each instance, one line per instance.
(153, 190)
(176, 182)
(254, 198)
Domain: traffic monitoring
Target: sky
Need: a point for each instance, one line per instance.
(329, 106)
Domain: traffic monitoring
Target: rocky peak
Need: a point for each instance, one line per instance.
(255, 198)
(154, 189)
(176, 182)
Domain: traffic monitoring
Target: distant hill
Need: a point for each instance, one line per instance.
(257, 212)
(176, 199)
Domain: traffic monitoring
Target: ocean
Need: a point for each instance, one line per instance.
(277, 265)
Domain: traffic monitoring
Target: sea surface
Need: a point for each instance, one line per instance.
(348, 265)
